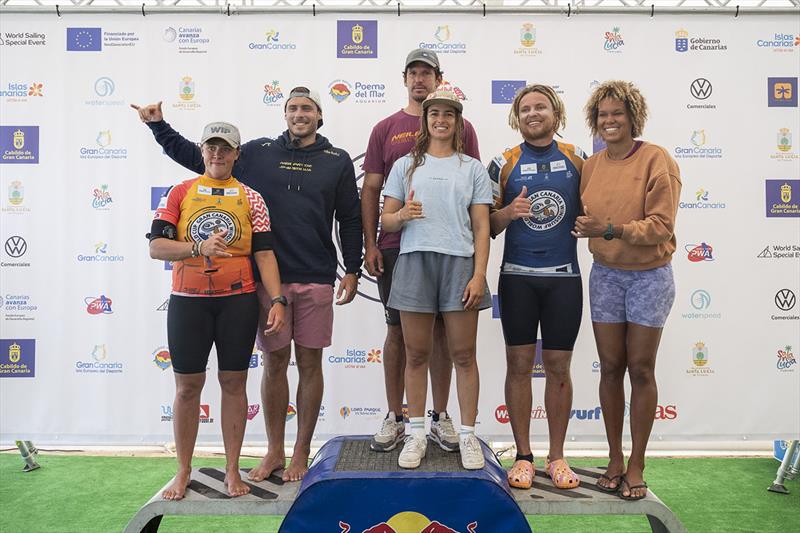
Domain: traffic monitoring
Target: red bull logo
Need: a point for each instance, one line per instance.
(410, 522)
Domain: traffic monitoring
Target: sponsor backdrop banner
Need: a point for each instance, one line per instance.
(83, 349)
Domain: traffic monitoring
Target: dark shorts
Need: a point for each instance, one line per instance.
(390, 256)
(555, 302)
(194, 324)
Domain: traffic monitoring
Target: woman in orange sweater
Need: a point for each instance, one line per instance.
(630, 193)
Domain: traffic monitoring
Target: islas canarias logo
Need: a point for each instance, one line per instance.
(409, 522)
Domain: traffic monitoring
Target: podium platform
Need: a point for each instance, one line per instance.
(351, 489)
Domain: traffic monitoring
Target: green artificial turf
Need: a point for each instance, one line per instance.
(100, 494)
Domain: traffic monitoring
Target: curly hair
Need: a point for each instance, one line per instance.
(423, 141)
(627, 93)
(558, 106)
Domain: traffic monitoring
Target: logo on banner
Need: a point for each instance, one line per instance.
(700, 361)
(613, 41)
(784, 146)
(161, 357)
(782, 198)
(166, 413)
(100, 255)
(186, 94)
(700, 301)
(17, 358)
(103, 150)
(504, 91)
(442, 45)
(205, 414)
(785, 299)
(586, 414)
(189, 39)
(346, 412)
(272, 42)
(374, 356)
(356, 358)
(98, 305)
(19, 145)
(16, 198)
(780, 251)
(697, 253)
(22, 92)
(781, 92)
(252, 410)
(362, 92)
(99, 365)
(272, 93)
(84, 40)
(501, 414)
(786, 360)
(702, 201)
(780, 42)
(701, 89)
(291, 411)
(11, 39)
(16, 246)
(339, 90)
(104, 88)
(356, 39)
(17, 308)
(527, 38)
(101, 198)
(698, 150)
(683, 43)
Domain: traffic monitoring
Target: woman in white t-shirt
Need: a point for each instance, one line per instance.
(440, 198)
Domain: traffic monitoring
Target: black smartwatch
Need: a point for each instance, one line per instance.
(357, 273)
(279, 300)
(609, 233)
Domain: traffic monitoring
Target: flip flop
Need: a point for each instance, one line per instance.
(561, 474)
(520, 475)
(614, 479)
(631, 488)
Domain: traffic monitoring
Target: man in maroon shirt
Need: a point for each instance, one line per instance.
(391, 139)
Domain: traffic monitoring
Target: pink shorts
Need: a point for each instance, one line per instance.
(308, 318)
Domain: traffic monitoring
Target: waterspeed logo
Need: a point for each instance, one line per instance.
(699, 148)
(103, 149)
(700, 365)
(613, 41)
(407, 522)
(786, 360)
(702, 200)
(17, 307)
(782, 198)
(548, 209)
(362, 92)
(444, 42)
(101, 198)
(100, 255)
(784, 146)
(273, 94)
(697, 253)
(780, 42)
(17, 358)
(99, 364)
(187, 39)
(780, 251)
(685, 43)
(356, 358)
(527, 38)
(19, 145)
(272, 42)
(22, 92)
(700, 300)
(11, 39)
(162, 358)
(104, 89)
(98, 305)
(186, 95)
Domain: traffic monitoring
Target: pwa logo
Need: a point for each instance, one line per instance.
(699, 252)
(786, 360)
(252, 411)
(100, 305)
(501, 414)
(162, 358)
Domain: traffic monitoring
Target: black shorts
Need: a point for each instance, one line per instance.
(554, 301)
(390, 256)
(195, 323)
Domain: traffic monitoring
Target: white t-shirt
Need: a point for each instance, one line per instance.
(447, 187)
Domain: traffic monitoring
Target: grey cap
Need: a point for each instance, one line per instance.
(428, 57)
(222, 130)
(305, 92)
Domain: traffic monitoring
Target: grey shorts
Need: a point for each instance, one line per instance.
(642, 297)
(430, 282)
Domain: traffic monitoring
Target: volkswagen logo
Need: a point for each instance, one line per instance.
(700, 88)
(784, 299)
(16, 246)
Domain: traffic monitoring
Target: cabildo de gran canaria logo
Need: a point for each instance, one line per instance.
(443, 43)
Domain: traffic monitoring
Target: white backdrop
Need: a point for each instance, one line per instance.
(83, 316)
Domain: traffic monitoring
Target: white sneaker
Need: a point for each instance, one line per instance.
(389, 436)
(472, 453)
(412, 453)
(444, 434)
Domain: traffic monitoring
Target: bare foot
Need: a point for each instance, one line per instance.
(634, 485)
(611, 478)
(297, 468)
(268, 465)
(234, 483)
(177, 489)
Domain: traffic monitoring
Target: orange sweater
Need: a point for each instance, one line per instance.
(641, 193)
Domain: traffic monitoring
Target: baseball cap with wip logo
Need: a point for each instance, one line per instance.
(222, 130)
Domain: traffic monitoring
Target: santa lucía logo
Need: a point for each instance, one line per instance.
(547, 210)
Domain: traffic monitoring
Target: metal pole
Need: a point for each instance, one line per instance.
(788, 469)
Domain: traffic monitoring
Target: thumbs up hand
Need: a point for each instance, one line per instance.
(412, 209)
(520, 207)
